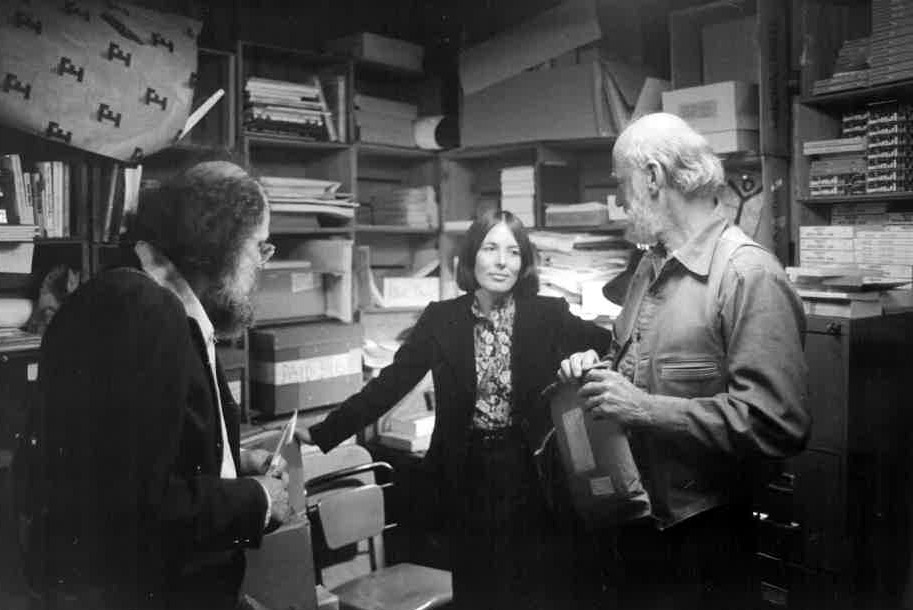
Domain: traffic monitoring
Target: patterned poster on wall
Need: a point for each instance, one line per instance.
(108, 77)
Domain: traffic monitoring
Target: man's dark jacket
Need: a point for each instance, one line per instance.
(137, 514)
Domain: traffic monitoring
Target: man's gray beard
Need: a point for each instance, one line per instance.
(230, 313)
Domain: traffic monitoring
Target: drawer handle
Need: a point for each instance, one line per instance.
(833, 328)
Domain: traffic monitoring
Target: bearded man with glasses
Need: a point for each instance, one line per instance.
(149, 502)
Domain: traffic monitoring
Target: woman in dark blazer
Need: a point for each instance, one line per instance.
(491, 352)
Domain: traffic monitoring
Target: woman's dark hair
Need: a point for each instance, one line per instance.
(528, 278)
(201, 217)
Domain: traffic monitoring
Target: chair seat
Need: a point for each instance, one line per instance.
(404, 586)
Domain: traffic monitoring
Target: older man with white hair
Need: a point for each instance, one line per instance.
(707, 375)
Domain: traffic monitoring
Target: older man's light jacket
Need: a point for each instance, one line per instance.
(713, 333)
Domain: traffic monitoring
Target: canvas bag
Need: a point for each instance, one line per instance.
(108, 77)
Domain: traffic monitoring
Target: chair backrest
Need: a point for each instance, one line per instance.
(351, 515)
(346, 508)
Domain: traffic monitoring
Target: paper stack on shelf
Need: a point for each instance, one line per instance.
(288, 108)
(575, 266)
(843, 291)
(518, 193)
(319, 200)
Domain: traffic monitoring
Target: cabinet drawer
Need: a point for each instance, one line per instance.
(821, 501)
(781, 539)
(782, 585)
(18, 388)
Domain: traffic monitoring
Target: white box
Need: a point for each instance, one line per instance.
(734, 140)
(727, 106)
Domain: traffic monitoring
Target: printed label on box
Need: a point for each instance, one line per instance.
(578, 441)
(303, 281)
(308, 369)
(602, 486)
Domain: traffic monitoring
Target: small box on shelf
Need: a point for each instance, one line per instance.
(725, 113)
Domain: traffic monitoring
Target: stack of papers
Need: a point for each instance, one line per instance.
(289, 195)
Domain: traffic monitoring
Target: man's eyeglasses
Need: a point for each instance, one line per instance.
(266, 251)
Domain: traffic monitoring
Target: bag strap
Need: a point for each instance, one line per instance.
(730, 241)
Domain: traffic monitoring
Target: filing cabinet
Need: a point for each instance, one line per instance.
(833, 526)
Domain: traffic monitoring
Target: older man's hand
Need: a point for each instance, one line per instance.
(609, 394)
(574, 366)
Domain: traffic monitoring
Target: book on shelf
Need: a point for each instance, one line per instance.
(11, 338)
(843, 309)
(314, 207)
(834, 146)
(299, 109)
(17, 233)
(16, 202)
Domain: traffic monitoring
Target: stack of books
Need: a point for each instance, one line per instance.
(414, 206)
(841, 291)
(840, 166)
(408, 432)
(385, 121)
(851, 70)
(19, 232)
(518, 193)
(281, 107)
(878, 252)
(306, 202)
(889, 136)
(891, 57)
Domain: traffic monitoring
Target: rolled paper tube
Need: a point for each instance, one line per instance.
(436, 132)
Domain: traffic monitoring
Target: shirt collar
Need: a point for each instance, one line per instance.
(696, 254)
(159, 268)
(505, 309)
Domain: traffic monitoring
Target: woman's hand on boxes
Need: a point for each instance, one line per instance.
(574, 366)
(609, 394)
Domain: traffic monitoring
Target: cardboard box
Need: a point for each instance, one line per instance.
(724, 61)
(733, 140)
(280, 573)
(288, 289)
(726, 106)
(547, 35)
(555, 104)
(304, 366)
(380, 49)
